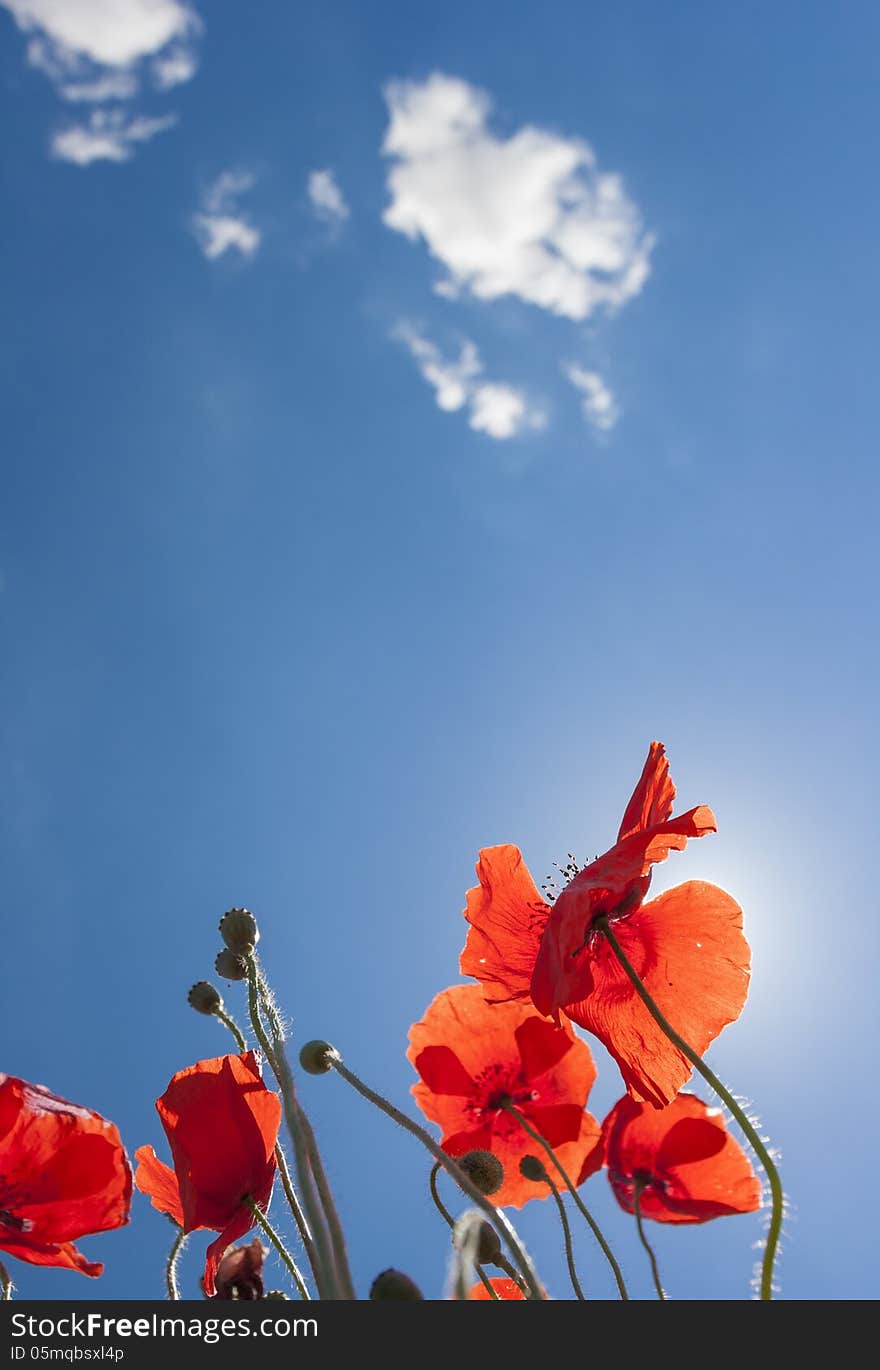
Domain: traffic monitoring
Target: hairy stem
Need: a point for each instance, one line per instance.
(318, 1250)
(569, 1249)
(339, 1252)
(699, 1065)
(171, 1283)
(593, 1225)
(6, 1285)
(445, 1214)
(279, 1246)
(498, 1219)
(655, 1269)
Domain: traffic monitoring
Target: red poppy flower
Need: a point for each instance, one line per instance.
(63, 1173)
(686, 1163)
(504, 1289)
(473, 1057)
(222, 1124)
(687, 945)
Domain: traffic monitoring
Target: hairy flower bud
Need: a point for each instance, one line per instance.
(488, 1244)
(483, 1169)
(239, 931)
(533, 1169)
(393, 1284)
(230, 966)
(313, 1059)
(204, 998)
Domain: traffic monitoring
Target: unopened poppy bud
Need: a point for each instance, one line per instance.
(533, 1169)
(239, 931)
(204, 998)
(393, 1284)
(488, 1244)
(230, 966)
(483, 1169)
(314, 1059)
(275, 1294)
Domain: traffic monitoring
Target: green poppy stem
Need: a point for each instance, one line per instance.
(496, 1216)
(222, 1016)
(655, 1269)
(569, 1249)
(776, 1195)
(279, 1246)
(591, 1221)
(339, 1253)
(171, 1282)
(447, 1216)
(6, 1285)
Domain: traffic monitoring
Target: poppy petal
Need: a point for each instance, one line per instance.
(157, 1180)
(579, 1159)
(63, 1255)
(691, 1167)
(507, 919)
(222, 1124)
(557, 1123)
(688, 948)
(541, 1046)
(653, 796)
(238, 1226)
(504, 1289)
(443, 1072)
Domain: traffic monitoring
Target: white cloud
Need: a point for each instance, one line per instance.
(109, 136)
(110, 33)
(497, 409)
(529, 215)
(598, 404)
(220, 225)
(116, 85)
(327, 199)
(173, 68)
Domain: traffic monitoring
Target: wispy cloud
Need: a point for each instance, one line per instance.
(115, 85)
(530, 215)
(174, 67)
(598, 404)
(326, 197)
(96, 51)
(220, 226)
(501, 411)
(108, 136)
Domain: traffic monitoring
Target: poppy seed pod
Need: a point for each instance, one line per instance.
(230, 966)
(204, 998)
(393, 1284)
(533, 1169)
(239, 931)
(314, 1058)
(483, 1169)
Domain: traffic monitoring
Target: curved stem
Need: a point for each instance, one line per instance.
(496, 1216)
(279, 1246)
(447, 1216)
(319, 1252)
(593, 1225)
(699, 1065)
(569, 1249)
(222, 1016)
(339, 1253)
(6, 1285)
(655, 1269)
(177, 1246)
(504, 1264)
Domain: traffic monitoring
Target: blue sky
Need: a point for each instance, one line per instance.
(280, 630)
